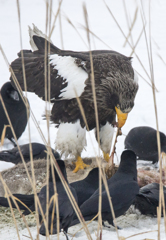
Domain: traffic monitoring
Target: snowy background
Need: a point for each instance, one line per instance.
(103, 25)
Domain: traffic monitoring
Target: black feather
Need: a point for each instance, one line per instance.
(39, 151)
(16, 110)
(143, 141)
(123, 188)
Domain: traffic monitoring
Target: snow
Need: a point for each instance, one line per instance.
(103, 25)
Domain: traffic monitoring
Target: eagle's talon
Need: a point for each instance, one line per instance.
(106, 156)
(79, 164)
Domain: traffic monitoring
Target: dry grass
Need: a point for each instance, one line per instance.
(49, 28)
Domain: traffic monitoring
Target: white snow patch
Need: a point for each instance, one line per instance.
(141, 115)
(71, 139)
(135, 76)
(75, 76)
(5, 165)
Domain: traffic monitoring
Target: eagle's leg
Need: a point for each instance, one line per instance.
(106, 156)
(79, 164)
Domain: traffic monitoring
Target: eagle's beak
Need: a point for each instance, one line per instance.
(121, 117)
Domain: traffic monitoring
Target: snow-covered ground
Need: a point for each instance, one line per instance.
(103, 25)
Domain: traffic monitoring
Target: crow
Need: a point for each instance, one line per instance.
(147, 200)
(123, 188)
(86, 187)
(16, 110)
(66, 211)
(28, 200)
(143, 141)
(39, 151)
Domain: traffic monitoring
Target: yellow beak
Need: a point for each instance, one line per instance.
(121, 117)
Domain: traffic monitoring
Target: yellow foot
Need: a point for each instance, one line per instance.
(106, 156)
(79, 164)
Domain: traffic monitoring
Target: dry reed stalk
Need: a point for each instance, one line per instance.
(161, 58)
(3, 135)
(55, 18)
(157, 125)
(150, 57)
(60, 27)
(96, 117)
(94, 35)
(145, 80)
(70, 22)
(139, 234)
(134, 46)
(47, 93)
(130, 26)
(9, 194)
(126, 38)
(28, 112)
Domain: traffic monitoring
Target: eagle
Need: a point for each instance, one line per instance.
(70, 76)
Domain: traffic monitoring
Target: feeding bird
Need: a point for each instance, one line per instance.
(123, 188)
(147, 201)
(66, 211)
(84, 189)
(116, 84)
(39, 151)
(143, 141)
(16, 110)
(28, 200)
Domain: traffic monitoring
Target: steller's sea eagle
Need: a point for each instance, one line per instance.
(70, 77)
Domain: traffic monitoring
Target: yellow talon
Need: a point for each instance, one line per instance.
(79, 164)
(106, 156)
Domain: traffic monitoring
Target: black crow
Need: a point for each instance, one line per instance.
(66, 211)
(28, 200)
(123, 189)
(147, 200)
(39, 151)
(143, 141)
(70, 75)
(86, 187)
(16, 110)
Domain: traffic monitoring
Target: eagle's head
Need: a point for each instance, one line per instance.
(121, 98)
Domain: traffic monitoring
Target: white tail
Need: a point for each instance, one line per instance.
(35, 31)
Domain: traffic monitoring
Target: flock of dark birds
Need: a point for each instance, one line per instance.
(115, 92)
